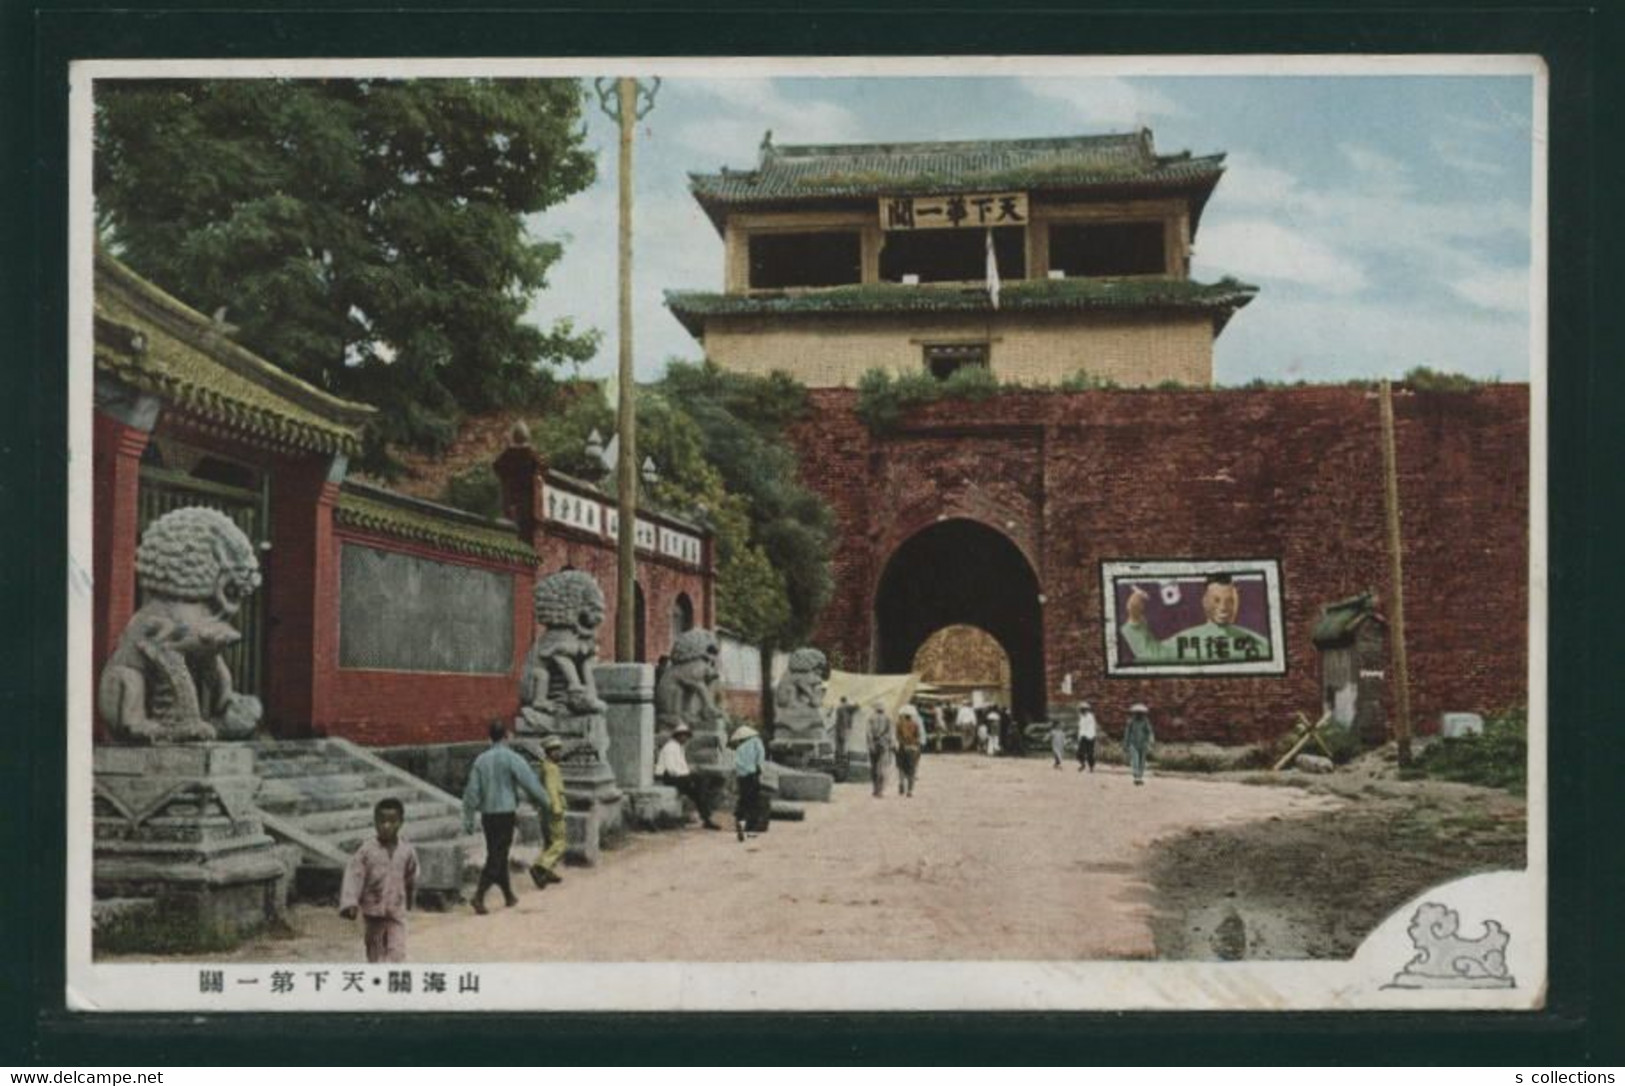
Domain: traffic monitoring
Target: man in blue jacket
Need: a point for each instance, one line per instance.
(494, 783)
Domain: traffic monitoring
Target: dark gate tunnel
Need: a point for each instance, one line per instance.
(959, 571)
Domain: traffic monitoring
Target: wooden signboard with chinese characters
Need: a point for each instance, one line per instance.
(967, 209)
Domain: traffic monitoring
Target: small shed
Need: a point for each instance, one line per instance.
(1352, 639)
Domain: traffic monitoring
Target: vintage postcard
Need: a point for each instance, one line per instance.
(1081, 545)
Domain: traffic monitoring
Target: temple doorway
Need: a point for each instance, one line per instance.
(959, 573)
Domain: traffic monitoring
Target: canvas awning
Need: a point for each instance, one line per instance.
(892, 691)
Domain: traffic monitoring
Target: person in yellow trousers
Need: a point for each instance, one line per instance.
(546, 868)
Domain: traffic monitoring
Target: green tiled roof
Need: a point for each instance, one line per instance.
(795, 174)
(149, 340)
(373, 509)
(1022, 296)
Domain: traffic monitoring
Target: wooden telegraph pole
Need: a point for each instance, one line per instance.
(626, 101)
(1396, 582)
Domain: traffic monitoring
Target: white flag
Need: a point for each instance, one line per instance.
(992, 272)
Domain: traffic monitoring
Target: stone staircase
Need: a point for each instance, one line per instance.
(318, 794)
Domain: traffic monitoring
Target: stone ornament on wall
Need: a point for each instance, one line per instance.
(558, 680)
(167, 682)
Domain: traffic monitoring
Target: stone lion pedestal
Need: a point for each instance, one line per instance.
(801, 740)
(179, 847)
(595, 816)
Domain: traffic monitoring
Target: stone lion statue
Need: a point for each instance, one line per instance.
(166, 681)
(687, 691)
(802, 686)
(558, 680)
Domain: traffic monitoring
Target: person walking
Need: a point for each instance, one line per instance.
(749, 758)
(845, 714)
(882, 742)
(1088, 731)
(910, 741)
(546, 868)
(965, 725)
(1057, 741)
(1137, 739)
(494, 783)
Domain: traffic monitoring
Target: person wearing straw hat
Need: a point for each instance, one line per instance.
(672, 770)
(749, 758)
(546, 867)
(1137, 739)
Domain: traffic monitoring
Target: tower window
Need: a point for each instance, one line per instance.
(952, 256)
(942, 360)
(828, 258)
(1124, 248)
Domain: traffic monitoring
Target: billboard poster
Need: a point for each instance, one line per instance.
(1212, 617)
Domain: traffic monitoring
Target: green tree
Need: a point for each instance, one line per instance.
(717, 438)
(742, 420)
(367, 235)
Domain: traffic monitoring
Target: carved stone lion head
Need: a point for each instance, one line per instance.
(695, 644)
(570, 600)
(198, 555)
(809, 661)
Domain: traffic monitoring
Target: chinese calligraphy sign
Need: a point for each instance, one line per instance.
(960, 210)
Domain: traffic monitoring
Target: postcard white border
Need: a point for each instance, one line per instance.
(1520, 897)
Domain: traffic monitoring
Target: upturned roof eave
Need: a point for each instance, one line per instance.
(174, 317)
(693, 308)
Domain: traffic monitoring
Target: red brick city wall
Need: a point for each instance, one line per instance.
(1292, 474)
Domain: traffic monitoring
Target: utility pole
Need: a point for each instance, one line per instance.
(626, 101)
(1396, 590)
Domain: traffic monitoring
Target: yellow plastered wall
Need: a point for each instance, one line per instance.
(834, 351)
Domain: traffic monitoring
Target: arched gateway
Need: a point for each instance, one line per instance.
(960, 572)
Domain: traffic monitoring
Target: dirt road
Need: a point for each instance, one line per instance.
(991, 859)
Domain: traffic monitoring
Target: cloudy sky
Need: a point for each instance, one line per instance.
(1386, 219)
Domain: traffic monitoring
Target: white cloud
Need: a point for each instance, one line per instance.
(1457, 153)
(1329, 340)
(748, 107)
(1249, 182)
(1114, 103)
(1504, 290)
(1255, 249)
(1376, 172)
(1268, 224)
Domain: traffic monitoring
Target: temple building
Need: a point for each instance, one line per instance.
(1042, 259)
(383, 618)
(1108, 520)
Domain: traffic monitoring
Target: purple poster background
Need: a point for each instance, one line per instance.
(1165, 621)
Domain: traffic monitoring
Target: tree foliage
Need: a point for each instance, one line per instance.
(367, 235)
(717, 439)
